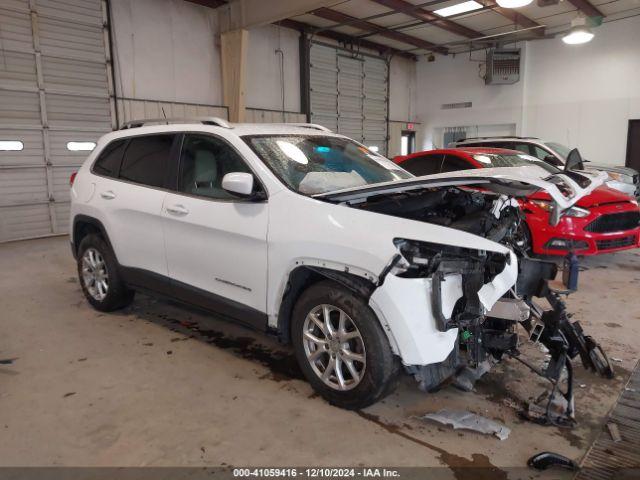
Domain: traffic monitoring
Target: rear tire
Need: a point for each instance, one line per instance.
(365, 370)
(99, 278)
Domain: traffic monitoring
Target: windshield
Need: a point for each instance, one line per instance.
(317, 164)
(560, 149)
(490, 160)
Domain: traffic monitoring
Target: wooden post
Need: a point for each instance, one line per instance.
(233, 47)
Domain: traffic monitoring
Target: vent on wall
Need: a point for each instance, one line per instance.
(503, 66)
(451, 106)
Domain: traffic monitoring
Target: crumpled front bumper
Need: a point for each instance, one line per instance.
(404, 307)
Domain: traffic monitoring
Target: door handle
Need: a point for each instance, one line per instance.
(177, 210)
(108, 195)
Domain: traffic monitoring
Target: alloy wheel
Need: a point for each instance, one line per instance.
(94, 274)
(334, 347)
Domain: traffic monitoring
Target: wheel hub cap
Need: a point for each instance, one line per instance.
(94, 274)
(334, 347)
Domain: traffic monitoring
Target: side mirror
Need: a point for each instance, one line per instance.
(574, 161)
(239, 184)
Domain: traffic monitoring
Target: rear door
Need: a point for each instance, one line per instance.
(216, 242)
(132, 203)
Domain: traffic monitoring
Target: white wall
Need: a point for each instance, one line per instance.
(455, 79)
(166, 50)
(579, 95)
(585, 95)
(402, 90)
(264, 80)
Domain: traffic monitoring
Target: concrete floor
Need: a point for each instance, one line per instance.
(160, 385)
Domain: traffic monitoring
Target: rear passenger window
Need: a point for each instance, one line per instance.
(453, 164)
(108, 162)
(146, 160)
(423, 165)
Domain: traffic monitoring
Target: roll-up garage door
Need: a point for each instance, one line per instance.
(55, 102)
(348, 93)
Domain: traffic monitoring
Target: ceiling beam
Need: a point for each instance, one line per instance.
(586, 7)
(513, 15)
(245, 14)
(340, 17)
(428, 16)
(344, 38)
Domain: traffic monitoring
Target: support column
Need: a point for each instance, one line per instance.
(233, 48)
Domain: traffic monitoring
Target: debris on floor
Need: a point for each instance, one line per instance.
(469, 421)
(7, 361)
(544, 460)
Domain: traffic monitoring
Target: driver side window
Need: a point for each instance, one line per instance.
(204, 161)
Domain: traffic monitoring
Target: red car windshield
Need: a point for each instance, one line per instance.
(491, 160)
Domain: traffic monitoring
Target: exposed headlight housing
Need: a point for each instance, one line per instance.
(422, 259)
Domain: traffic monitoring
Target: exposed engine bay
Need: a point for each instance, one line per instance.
(486, 337)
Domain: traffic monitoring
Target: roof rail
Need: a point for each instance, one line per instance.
(315, 126)
(498, 136)
(219, 122)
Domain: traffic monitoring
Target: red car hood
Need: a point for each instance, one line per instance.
(601, 195)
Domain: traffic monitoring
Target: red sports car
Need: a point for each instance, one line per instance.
(602, 222)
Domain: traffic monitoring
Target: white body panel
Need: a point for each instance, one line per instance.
(218, 246)
(246, 251)
(132, 214)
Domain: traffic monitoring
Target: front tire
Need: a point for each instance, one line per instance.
(341, 347)
(99, 277)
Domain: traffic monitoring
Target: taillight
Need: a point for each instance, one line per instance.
(72, 178)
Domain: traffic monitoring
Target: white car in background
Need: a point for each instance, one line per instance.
(294, 230)
(624, 179)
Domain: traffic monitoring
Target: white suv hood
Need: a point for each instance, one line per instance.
(514, 181)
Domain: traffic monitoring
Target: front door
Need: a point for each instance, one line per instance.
(216, 242)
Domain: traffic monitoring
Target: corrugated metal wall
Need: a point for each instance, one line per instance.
(348, 93)
(136, 109)
(54, 89)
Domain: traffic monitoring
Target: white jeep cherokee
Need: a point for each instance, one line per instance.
(301, 232)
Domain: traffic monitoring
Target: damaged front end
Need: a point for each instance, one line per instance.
(454, 311)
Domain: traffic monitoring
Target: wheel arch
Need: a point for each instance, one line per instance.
(84, 225)
(302, 277)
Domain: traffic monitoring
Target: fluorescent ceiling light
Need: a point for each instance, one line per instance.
(81, 146)
(458, 8)
(513, 3)
(11, 145)
(578, 36)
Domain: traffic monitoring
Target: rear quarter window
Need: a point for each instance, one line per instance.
(108, 162)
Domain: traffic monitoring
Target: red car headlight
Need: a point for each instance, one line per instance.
(547, 206)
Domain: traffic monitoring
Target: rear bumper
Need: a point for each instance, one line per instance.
(570, 233)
